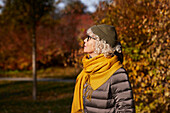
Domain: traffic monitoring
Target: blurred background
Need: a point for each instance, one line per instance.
(59, 27)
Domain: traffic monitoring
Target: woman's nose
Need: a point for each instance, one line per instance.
(85, 40)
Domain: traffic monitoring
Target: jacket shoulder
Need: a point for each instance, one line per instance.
(119, 76)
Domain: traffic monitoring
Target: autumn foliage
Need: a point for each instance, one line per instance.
(143, 27)
(58, 37)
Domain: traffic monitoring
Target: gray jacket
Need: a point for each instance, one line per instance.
(114, 96)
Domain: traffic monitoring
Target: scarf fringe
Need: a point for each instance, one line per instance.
(88, 92)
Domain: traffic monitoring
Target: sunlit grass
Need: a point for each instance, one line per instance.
(52, 97)
(52, 72)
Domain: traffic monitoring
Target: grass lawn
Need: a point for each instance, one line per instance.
(51, 72)
(52, 97)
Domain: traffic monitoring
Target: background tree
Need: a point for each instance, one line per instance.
(55, 36)
(17, 13)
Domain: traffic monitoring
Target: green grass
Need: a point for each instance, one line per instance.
(52, 97)
(51, 72)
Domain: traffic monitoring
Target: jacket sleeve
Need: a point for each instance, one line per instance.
(122, 92)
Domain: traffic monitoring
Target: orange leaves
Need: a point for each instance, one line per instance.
(103, 20)
(144, 21)
(23, 65)
(144, 36)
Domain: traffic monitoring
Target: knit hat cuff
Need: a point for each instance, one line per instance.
(90, 33)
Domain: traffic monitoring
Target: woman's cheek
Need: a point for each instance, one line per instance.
(94, 46)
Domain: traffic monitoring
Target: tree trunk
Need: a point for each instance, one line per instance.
(34, 52)
(34, 63)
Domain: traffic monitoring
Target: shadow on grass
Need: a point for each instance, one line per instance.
(52, 97)
(26, 106)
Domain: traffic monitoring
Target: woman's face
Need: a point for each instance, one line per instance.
(89, 45)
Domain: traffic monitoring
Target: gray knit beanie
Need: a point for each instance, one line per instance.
(107, 33)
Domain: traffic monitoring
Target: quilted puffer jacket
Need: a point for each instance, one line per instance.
(114, 96)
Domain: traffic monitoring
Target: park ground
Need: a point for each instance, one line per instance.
(52, 97)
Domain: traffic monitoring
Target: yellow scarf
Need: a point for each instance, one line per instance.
(96, 72)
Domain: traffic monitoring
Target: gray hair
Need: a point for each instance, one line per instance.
(101, 47)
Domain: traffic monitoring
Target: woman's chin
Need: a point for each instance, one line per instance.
(85, 52)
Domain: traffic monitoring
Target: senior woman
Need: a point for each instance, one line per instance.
(103, 85)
